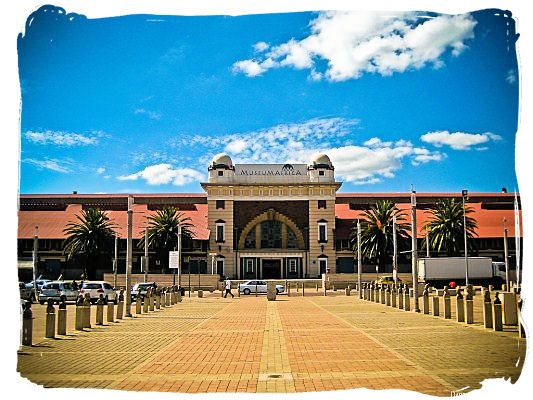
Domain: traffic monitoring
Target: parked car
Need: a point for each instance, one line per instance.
(96, 288)
(260, 286)
(139, 289)
(40, 283)
(56, 290)
(26, 293)
(387, 280)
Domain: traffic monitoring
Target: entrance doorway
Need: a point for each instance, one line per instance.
(271, 269)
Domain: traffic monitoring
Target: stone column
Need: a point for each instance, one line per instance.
(27, 324)
(62, 318)
(87, 311)
(460, 309)
(100, 310)
(469, 305)
(151, 303)
(447, 304)
(487, 310)
(120, 306)
(139, 306)
(425, 300)
(79, 313)
(406, 299)
(347, 291)
(400, 298)
(435, 300)
(50, 331)
(387, 296)
(393, 297)
(110, 311)
(271, 291)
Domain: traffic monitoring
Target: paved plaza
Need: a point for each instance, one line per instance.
(295, 344)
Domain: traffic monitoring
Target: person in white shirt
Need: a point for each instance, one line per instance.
(227, 286)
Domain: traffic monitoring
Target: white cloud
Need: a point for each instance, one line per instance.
(63, 138)
(458, 140)
(100, 170)
(162, 174)
(51, 164)
(353, 43)
(150, 114)
(297, 143)
(511, 76)
(236, 146)
(260, 46)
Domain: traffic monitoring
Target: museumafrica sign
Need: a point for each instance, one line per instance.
(271, 172)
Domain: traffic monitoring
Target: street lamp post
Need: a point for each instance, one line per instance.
(359, 260)
(129, 251)
(395, 250)
(414, 257)
(179, 257)
(506, 254)
(464, 195)
(115, 262)
(146, 254)
(35, 258)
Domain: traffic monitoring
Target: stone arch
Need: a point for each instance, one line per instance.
(272, 215)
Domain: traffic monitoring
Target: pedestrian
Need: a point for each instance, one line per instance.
(227, 285)
(74, 285)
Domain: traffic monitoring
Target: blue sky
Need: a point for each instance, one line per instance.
(142, 103)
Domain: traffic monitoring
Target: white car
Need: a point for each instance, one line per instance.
(260, 286)
(57, 290)
(96, 288)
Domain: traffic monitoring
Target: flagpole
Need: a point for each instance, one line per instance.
(517, 239)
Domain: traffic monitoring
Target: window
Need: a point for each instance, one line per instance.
(220, 173)
(221, 204)
(249, 265)
(219, 232)
(321, 204)
(321, 173)
(322, 232)
(270, 235)
(220, 266)
(249, 241)
(292, 266)
(292, 243)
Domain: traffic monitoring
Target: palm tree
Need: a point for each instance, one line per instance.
(376, 232)
(446, 228)
(88, 239)
(163, 231)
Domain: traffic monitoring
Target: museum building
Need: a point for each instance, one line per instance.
(267, 221)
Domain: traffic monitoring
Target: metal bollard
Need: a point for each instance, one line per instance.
(460, 308)
(110, 311)
(487, 310)
(387, 296)
(469, 305)
(100, 310)
(120, 306)
(425, 300)
(62, 318)
(400, 298)
(406, 299)
(447, 303)
(435, 300)
(497, 323)
(50, 329)
(79, 313)
(27, 324)
(87, 311)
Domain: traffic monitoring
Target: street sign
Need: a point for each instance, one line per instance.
(173, 259)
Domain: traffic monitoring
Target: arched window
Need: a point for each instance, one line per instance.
(249, 242)
(270, 235)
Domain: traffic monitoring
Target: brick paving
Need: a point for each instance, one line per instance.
(294, 344)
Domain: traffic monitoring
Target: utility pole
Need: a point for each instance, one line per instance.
(395, 250)
(129, 250)
(506, 254)
(35, 257)
(359, 260)
(179, 259)
(115, 262)
(464, 194)
(427, 243)
(414, 257)
(146, 254)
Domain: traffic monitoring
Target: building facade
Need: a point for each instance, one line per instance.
(266, 221)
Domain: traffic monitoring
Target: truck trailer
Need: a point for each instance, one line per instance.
(439, 271)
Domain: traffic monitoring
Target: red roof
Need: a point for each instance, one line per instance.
(52, 223)
(490, 222)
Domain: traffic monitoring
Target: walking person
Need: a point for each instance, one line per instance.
(227, 286)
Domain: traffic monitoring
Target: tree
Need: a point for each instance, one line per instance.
(376, 232)
(163, 231)
(446, 228)
(88, 239)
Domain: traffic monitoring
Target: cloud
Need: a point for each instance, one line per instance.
(162, 174)
(511, 76)
(353, 43)
(63, 138)
(298, 142)
(150, 114)
(458, 140)
(51, 164)
(100, 170)
(260, 46)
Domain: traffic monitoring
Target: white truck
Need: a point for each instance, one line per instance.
(440, 271)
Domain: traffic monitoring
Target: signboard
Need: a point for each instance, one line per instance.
(173, 259)
(271, 172)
